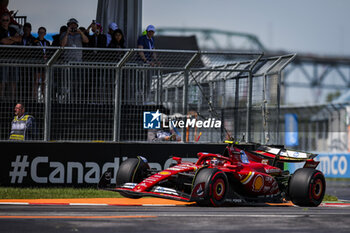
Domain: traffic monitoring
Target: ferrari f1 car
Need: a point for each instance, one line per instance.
(245, 172)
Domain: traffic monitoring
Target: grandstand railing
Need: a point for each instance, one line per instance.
(85, 94)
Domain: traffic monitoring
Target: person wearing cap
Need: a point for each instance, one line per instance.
(147, 42)
(74, 37)
(111, 28)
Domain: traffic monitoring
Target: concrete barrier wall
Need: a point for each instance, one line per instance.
(81, 164)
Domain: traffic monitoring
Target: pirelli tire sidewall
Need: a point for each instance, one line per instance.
(132, 170)
(307, 187)
(215, 186)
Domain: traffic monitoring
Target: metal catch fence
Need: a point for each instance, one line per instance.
(320, 128)
(84, 94)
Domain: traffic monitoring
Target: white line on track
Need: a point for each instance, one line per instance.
(14, 203)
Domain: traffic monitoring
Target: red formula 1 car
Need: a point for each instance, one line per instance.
(245, 172)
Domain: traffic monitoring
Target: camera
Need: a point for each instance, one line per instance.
(73, 30)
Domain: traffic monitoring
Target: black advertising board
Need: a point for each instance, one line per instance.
(58, 164)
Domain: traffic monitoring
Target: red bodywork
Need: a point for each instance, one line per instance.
(250, 172)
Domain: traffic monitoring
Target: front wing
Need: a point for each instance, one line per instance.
(156, 191)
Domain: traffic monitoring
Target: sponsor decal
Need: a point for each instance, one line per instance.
(287, 153)
(164, 173)
(272, 170)
(59, 173)
(198, 191)
(258, 183)
(334, 165)
(266, 189)
(152, 120)
(248, 178)
(143, 159)
(182, 167)
(265, 161)
(331, 165)
(129, 185)
(25, 168)
(159, 189)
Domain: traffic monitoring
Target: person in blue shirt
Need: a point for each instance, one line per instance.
(147, 42)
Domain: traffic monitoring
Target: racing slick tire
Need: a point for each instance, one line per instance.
(214, 187)
(132, 170)
(307, 187)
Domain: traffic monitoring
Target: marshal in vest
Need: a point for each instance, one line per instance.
(22, 128)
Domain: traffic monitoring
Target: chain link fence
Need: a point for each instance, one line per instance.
(83, 94)
(321, 128)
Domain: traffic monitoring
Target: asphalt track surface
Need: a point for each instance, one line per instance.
(340, 189)
(115, 218)
(247, 218)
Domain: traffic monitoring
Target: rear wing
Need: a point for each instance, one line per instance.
(284, 155)
(278, 153)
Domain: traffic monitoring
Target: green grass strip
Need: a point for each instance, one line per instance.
(53, 193)
(58, 193)
(328, 197)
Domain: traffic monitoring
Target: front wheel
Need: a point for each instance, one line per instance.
(307, 187)
(132, 170)
(211, 185)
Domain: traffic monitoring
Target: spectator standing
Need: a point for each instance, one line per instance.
(8, 36)
(97, 39)
(27, 38)
(86, 32)
(56, 38)
(74, 37)
(23, 125)
(147, 42)
(111, 28)
(41, 41)
(3, 9)
(39, 84)
(118, 40)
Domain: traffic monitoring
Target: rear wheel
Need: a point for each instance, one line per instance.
(214, 185)
(132, 170)
(307, 187)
